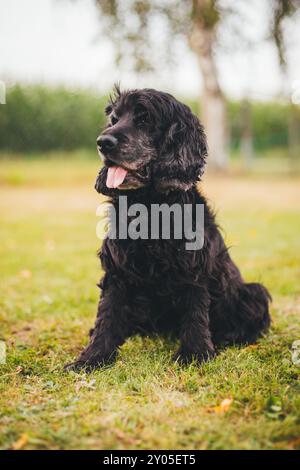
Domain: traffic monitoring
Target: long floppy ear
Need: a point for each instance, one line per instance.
(183, 152)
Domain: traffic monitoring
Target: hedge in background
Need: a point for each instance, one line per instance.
(38, 118)
(269, 122)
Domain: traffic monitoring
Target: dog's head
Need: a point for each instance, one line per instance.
(151, 139)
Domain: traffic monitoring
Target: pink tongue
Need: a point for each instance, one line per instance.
(115, 176)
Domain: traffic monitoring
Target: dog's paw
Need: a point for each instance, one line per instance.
(90, 364)
(185, 357)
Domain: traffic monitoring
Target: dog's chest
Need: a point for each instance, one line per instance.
(159, 262)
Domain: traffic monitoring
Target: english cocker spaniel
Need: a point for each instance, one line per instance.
(154, 151)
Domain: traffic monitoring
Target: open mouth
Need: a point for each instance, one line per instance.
(115, 176)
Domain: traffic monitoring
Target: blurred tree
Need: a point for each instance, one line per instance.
(281, 10)
(132, 23)
(205, 17)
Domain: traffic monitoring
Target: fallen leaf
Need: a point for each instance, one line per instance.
(295, 443)
(20, 443)
(25, 273)
(224, 406)
(290, 445)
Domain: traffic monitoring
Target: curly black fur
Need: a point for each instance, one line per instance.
(157, 286)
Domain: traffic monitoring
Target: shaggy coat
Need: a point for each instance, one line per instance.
(158, 286)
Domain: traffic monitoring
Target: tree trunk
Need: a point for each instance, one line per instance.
(213, 108)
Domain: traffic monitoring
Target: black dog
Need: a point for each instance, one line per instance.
(154, 151)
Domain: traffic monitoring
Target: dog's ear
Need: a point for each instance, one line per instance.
(183, 152)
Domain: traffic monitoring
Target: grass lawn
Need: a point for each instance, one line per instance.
(48, 298)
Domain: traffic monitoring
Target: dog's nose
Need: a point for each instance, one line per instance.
(106, 143)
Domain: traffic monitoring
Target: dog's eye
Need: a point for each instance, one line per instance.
(108, 109)
(141, 118)
(113, 120)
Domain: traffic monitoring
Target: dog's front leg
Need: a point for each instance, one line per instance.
(195, 337)
(109, 333)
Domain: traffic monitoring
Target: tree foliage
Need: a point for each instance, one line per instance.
(146, 32)
(281, 9)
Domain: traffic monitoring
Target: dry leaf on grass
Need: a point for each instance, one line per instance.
(26, 274)
(294, 444)
(20, 443)
(223, 407)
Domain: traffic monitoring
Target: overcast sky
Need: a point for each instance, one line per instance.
(60, 42)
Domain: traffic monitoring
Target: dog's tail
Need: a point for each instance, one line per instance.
(253, 312)
(244, 317)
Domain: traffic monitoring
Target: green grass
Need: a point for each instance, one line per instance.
(48, 298)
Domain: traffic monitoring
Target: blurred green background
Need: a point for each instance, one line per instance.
(39, 119)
